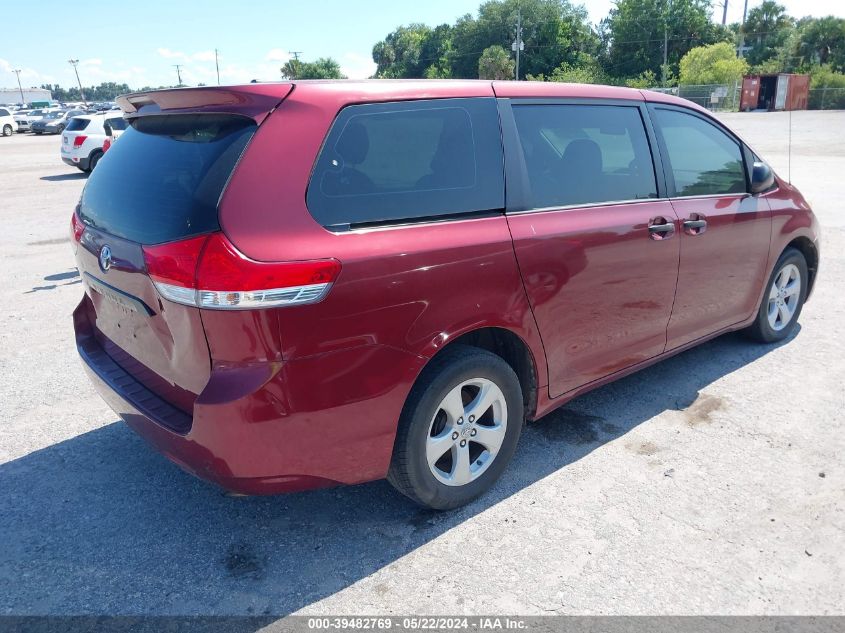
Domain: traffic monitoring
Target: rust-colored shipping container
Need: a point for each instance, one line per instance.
(781, 91)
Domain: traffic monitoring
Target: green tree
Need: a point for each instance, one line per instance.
(714, 64)
(819, 41)
(322, 68)
(495, 63)
(633, 35)
(766, 31)
(553, 31)
(402, 52)
(586, 70)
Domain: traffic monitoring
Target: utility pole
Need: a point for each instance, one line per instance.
(518, 44)
(725, 12)
(217, 66)
(74, 63)
(23, 100)
(178, 68)
(742, 30)
(665, 66)
(295, 55)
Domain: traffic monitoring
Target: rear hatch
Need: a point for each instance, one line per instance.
(156, 190)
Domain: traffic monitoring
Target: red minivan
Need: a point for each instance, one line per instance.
(303, 284)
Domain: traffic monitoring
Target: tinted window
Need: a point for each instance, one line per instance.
(702, 159)
(417, 159)
(584, 154)
(4, 112)
(114, 124)
(75, 125)
(164, 178)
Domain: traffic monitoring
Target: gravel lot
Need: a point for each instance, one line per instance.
(710, 483)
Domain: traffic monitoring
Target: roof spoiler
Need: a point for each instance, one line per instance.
(253, 100)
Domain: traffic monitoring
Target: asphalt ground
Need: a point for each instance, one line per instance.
(710, 483)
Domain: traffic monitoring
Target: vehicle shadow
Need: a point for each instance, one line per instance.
(101, 524)
(70, 277)
(60, 177)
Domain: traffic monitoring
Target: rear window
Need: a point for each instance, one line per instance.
(76, 125)
(163, 180)
(390, 162)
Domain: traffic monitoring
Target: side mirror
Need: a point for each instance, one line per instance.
(762, 177)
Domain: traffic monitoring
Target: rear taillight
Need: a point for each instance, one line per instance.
(77, 228)
(78, 141)
(209, 272)
(106, 145)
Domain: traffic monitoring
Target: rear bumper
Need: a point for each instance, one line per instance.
(82, 163)
(269, 428)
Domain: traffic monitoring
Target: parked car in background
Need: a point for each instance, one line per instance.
(8, 125)
(22, 119)
(54, 122)
(288, 288)
(112, 136)
(84, 136)
(25, 120)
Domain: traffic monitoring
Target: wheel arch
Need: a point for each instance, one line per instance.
(511, 348)
(808, 249)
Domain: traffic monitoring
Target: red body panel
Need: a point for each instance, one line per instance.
(716, 294)
(300, 397)
(600, 287)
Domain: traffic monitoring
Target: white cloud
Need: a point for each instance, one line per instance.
(169, 54)
(277, 55)
(357, 66)
(94, 61)
(203, 56)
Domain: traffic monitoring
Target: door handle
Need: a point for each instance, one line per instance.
(660, 229)
(695, 226)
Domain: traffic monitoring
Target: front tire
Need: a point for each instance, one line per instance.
(7, 130)
(458, 430)
(783, 299)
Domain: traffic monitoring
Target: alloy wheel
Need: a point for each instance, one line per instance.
(784, 296)
(466, 432)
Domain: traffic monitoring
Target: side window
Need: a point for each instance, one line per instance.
(702, 159)
(402, 161)
(584, 154)
(4, 112)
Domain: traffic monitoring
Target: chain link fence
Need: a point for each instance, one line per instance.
(716, 97)
(826, 99)
(726, 97)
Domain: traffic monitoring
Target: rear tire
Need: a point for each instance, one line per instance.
(458, 430)
(7, 130)
(95, 158)
(783, 299)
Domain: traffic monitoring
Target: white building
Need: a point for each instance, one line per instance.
(13, 95)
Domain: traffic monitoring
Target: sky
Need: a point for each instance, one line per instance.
(139, 45)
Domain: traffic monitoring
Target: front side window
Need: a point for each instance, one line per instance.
(584, 154)
(412, 160)
(702, 159)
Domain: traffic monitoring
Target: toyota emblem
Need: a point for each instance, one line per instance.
(105, 259)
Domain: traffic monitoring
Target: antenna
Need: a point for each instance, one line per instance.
(217, 66)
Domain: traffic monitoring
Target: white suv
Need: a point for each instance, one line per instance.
(83, 138)
(8, 125)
